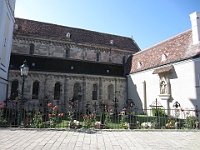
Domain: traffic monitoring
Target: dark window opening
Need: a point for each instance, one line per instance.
(124, 60)
(14, 90)
(35, 90)
(31, 51)
(110, 92)
(94, 92)
(67, 55)
(76, 91)
(98, 57)
(57, 91)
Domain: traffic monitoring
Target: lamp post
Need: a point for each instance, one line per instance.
(132, 104)
(24, 72)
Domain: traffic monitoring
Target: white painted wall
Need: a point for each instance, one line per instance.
(6, 29)
(183, 80)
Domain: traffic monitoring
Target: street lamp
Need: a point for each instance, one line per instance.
(24, 73)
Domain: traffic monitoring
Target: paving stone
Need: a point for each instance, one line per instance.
(98, 140)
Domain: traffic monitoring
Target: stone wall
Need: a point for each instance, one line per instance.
(49, 48)
(47, 82)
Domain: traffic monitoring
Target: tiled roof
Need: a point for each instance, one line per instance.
(174, 49)
(49, 31)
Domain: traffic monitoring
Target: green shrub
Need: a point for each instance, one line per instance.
(159, 112)
(190, 122)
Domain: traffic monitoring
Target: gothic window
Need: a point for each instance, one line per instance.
(77, 89)
(67, 55)
(57, 91)
(14, 90)
(98, 57)
(94, 92)
(110, 92)
(35, 91)
(124, 60)
(31, 50)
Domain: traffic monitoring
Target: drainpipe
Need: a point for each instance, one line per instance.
(168, 92)
(145, 97)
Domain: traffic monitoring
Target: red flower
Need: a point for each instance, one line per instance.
(55, 107)
(93, 115)
(72, 106)
(62, 114)
(0, 103)
(49, 104)
(49, 115)
(85, 117)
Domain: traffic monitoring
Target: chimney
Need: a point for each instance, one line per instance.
(195, 20)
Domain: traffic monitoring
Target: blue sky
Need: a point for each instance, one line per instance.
(147, 21)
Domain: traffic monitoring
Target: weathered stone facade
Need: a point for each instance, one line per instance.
(29, 43)
(47, 82)
(58, 49)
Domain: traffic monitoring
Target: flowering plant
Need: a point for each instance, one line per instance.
(37, 120)
(2, 120)
(53, 115)
(108, 115)
(73, 123)
(123, 123)
(89, 120)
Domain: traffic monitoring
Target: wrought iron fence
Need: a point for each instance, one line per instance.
(53, 115)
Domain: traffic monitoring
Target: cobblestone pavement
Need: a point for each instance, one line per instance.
(16, 139)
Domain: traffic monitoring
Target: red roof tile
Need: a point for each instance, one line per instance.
(175, 49)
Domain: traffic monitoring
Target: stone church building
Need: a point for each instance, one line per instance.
(67, 64)
(91, 68)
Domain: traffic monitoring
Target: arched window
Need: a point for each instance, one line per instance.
(77, 89)
(94, 92)
(124, 59)
(67, 54)
(35, 91)
(98, 57)
(14, 90)
(57, 91)
(110, 92)
(31, 50)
